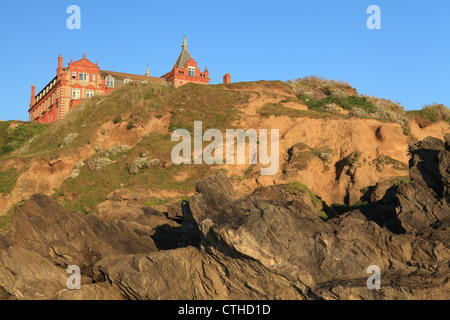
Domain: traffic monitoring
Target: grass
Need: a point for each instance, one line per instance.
(277, 110)
(157, 202)
(5, 220)
(296, 185)
(346, 103)
(92, 187)
(399, 181)
(354, 157)
(8, 180)
(13, 139)
(429, 114)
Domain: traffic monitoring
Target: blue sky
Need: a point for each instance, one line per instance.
(408, 60)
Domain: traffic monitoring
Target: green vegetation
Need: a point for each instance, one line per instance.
(346, 103)
(12, 139)
(278, 110)
(157, 202)
(135, 104)
(8, 180)
(130, 125)
(399, 181)
(296, 185)
(430, 114)
(354, 157)
(5, 220)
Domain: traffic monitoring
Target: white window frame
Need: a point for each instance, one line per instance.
(92, 77)
(83, 76)
(74, 75)
(125, 81)
(76, 93)
(110, 82)
(89, 94)
(191, 70)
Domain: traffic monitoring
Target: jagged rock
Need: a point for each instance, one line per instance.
(271, 244)
(45, 238)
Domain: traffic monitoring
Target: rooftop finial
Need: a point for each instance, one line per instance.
(147, 73)
(185, 45)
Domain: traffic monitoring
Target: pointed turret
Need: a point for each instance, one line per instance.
(184, 57)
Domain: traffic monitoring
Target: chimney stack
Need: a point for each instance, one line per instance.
(33, 95)
(60, 67)
(226, 78)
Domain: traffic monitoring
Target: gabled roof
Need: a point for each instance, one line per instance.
(184, 57)
(130, 76)
(83, 62)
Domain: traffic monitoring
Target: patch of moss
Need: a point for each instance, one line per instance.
(8, 179)
(296, 185)
(5, 220)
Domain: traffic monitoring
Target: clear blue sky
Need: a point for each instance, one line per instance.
(408, 60)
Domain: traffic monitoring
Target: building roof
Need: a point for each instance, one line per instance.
(184, 57)
(130, 76)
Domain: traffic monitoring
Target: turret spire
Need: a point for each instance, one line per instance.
(147, 73)
(185, 56)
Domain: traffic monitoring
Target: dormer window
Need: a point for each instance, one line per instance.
(192, 71)
(74, 75)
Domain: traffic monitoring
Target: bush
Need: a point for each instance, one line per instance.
(130, 125)
(68, 139)
(430, 114)
(117, 119)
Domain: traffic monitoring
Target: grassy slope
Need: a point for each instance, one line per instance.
(136, 104)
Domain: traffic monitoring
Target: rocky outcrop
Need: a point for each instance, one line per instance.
(44, 239)
(272, 244)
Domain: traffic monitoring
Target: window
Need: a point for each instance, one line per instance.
(192, 71)
(125, 81)
(76, 93)
(83, 76)
(74, 75)
(110, 82)
(89, 93)
(93, 77)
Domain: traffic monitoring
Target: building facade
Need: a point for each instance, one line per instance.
(83, 79)
(186, 70)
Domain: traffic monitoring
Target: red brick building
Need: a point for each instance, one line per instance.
(186, 70)
(83, 79)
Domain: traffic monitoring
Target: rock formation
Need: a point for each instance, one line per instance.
(272, 244)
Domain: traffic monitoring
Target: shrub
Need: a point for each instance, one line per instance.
(96, 163)
(430, 114)
(117, 119)
(68, 139)
(399, 181)
(130, 125)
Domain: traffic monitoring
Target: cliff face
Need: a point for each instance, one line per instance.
(272, 244)
(336, 155)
